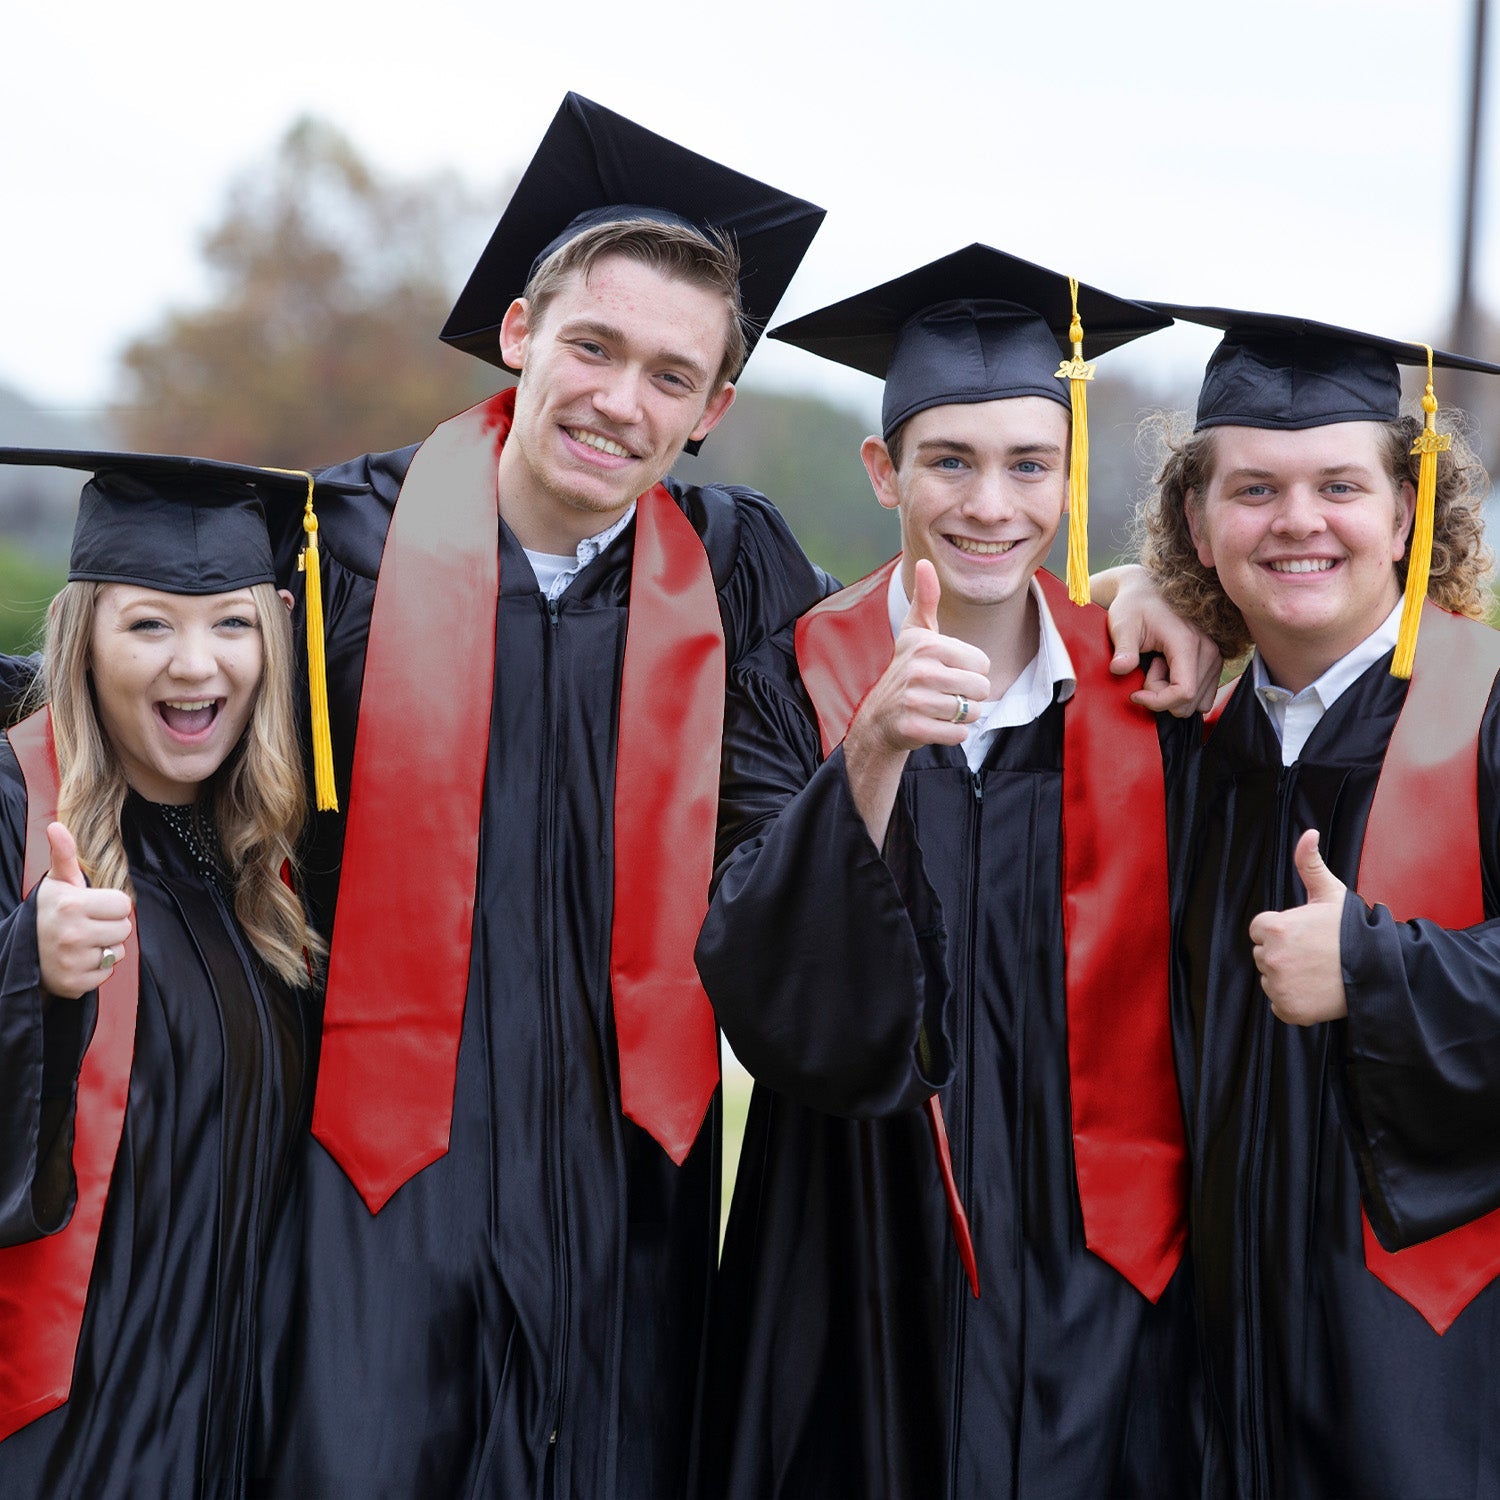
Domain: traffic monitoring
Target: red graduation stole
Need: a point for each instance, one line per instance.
(1431, 772)
(399, 969)
(44, 1283)
(1129, 1149)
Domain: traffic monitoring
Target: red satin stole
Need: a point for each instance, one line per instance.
(1421, 859)
(1129, 1149)
(44, 1283)
(399, 969)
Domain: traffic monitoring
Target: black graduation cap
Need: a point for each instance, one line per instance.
(977, 325)
(594, 166)
(182, 525)
(1291, 373)
(196, 526)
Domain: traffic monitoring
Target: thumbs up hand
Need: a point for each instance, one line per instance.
(1297, 951)
(80, 931)
(931, 678)
(927, 696)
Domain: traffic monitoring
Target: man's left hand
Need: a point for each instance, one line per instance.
(1298, 952)
(1184, 678)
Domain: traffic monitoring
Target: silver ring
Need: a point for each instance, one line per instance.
(962, 711)
(108, 958)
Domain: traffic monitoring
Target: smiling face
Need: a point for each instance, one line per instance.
(617, 375)
(981, 490)
(1304, 530)
(175, 678)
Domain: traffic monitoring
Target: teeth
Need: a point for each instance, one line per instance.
(981, 549)
(1303, 565)
(191, 706)
(594, 440)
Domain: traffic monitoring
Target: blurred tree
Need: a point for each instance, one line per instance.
(26, 587)
(332, 282)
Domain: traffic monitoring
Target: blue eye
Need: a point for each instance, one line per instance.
(147, 627)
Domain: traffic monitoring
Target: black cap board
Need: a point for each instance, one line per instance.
(182, 525)
(594, 166)
(1290, 373)
(976, 325)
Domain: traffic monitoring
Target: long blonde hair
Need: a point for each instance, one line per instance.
(258, 796)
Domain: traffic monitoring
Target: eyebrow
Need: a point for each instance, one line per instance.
(607, 333)
(968, 450)
(1357, 470)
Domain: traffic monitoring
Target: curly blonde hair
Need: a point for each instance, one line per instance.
(1184, 460)
(258, 796)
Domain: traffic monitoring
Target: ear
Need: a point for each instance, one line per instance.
(515, 329)
(1406, 514)
(1196, 529)
(877, 461)
(719, 403)
(286, 598)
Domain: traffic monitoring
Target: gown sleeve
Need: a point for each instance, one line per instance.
(42, 1041)
(823, 956)
(1421, 1064)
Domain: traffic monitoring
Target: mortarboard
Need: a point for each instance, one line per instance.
(594, 166)
(1290, 374)
(981, 325)
(194, 526)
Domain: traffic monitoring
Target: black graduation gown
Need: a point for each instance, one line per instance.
(1323, 1382)
(176, 1332)
(850, 1358)
(527, 1315)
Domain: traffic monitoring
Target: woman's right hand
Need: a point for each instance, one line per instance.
(76, 924)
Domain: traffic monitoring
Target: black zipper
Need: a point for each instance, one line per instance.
(560, 1238)
(963, 1168)
(1254, 1331)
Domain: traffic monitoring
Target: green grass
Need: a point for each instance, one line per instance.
(737, 1084)
(26, 587)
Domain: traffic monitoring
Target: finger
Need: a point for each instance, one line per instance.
(1125, 660)
(926, 595)
(63, 856)
(1322, 884)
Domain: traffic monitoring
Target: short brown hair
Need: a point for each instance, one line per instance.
(709, 260)
(1461, 561)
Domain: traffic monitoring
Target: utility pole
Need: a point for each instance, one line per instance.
(1466, 334)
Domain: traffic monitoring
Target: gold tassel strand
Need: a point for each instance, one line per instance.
(1076, 372)
(1430, 442)
(325, 792)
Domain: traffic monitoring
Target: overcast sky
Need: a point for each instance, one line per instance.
(1291, 155)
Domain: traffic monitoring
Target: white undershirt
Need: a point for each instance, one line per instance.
(556, 570)
(1294, 716)
(1047, 677)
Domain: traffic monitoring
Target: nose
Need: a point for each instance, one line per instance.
(989, 500)
(617, 397)
(193, 656)
(1300, 514)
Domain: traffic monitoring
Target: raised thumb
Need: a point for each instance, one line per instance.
(925, 595)
(63, 864)
(1322, 884)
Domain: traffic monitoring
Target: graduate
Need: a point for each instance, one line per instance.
(157, 1023)
(981, 1294)
(1336, 1010)
(512, 1207)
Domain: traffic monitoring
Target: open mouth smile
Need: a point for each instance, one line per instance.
(188, 719)
(598, 442)
(1303, 565)
(981, 549)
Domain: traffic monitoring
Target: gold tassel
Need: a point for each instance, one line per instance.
(1075, 371)
(308, 564)
(1430, 442)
